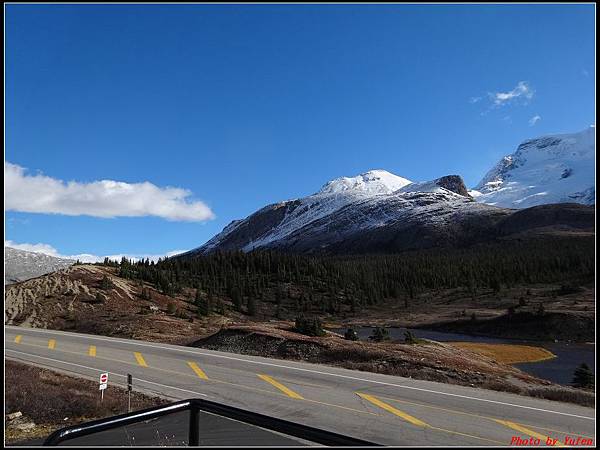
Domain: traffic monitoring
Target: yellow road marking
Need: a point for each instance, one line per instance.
(454, 411)
(393, 410)
(281, 387)
(18, 338)
(522, 429)
(416, 421)
(140, 359)
(51, 344)
(197, 370)
(314, 401)
(264, 391)
(92, 350)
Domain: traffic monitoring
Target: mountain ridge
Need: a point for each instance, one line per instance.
(378, 210)
(555, 168)
(20, 265)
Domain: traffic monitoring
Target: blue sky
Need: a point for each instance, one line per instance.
(241, 106)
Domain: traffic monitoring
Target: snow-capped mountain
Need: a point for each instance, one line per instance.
(372, 182)
(20, 265)
(378, 211)
(372, 212)
(550, 169)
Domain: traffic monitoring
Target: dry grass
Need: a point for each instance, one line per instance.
(507, 353)
(53, 400)
(565, 394)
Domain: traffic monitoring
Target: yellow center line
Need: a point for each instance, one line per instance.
(393, 410)
(454, 411)
(279, 394)
(92, 350)
(140, 359)
(280, 386)
(212, 380)
(522, 429)
(197, 370)
(18, 338)
(51, 344)
(419, 422)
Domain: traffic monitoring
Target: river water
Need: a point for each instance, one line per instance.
(559, 370)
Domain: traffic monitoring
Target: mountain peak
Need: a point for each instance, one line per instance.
(372, 182)
(449, 184)
(549, 169)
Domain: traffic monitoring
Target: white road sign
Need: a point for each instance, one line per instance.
(103, 381)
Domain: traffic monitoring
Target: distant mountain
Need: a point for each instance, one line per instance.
(379, 212)
(549, 169)
(20, 265)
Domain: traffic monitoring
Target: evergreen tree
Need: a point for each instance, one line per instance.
(351, 335)
(236, 298)
(251, 306)
(583, 377)
(311, 326)
(379, 334)
(106, 284)
(409, 337)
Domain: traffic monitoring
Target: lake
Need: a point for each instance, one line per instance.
(559, 370)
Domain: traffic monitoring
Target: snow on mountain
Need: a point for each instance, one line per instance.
(380, 211)
(450, 185)
(372, 182)
(549, 169)
(296, 214)
(20, 265)
(343, 207)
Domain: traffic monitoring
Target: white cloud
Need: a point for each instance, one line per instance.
(35, 248)
(105, 198)
(85, 257)
(521, 90)
(475, 99)
(535, 119)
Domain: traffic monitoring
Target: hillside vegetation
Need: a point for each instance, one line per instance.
(283, 285)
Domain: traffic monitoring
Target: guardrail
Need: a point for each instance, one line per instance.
(195, 407)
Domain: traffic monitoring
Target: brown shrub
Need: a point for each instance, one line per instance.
(47, 397)
(564, 395)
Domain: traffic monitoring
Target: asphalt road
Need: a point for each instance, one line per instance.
(378, 408)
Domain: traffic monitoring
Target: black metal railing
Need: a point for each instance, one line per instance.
(195, 407)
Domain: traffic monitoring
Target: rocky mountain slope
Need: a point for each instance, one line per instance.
(92, 299)
(378, 212)
(549, 169)
(20, 265)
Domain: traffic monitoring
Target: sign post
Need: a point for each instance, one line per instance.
(103, 384)
(129, 388)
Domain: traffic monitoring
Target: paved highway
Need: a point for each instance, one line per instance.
(378, 408)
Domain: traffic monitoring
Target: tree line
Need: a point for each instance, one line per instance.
(305, 283)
